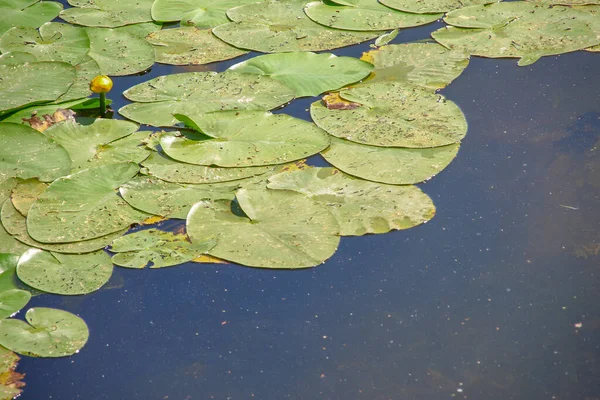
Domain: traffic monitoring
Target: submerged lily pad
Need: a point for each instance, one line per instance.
(431, 6)
(359, 206)
(107, 13)
(26, 153)
(519, 29)
(27, 13)
(364, 15)
(67, 274)
(396, 166)
(309, 74)
(245, 138)
(162, 249)
(281, 26)
(200, 13)
(50, 333)
(83, 206)
(393, 114)
(424, 64)
(201, 92)
(190, 45)
(267, 229)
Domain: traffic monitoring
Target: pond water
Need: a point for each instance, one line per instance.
(495, 298)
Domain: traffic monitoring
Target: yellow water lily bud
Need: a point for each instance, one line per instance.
(101, 84)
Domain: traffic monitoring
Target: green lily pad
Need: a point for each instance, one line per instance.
(50, 333)
(162, 249)
(393, 114)
(359, 206)
(26, 153)
(364, 15)
(31, 83)
(392, 165)
(84, 142)
(267, 229)
(83, 206)
(42, 109)
(201, 92)
(85, 71)
(11, 301)
(172, 200)
(282, 26)
(519, 29)
(167, 169)
(8, 244)
(107, 13)
(199, 13)
(431, 6)
(53, 42)
(25, 193)
(27, 13)
(566, 2)
(8, 271)
(67, 274)
(425, 64)
(386, 38)
(245, 138)
(190, 45)
(16, 58)
(309, 74)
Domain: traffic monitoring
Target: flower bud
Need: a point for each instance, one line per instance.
(101, 84)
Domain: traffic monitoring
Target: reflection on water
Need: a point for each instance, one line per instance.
(495, 298)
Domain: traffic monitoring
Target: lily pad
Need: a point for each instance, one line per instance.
(200, 13)
(281, 26)
(245, 138)
(190, 45)
(26, 153)
(201, 92)
(364, 15)
(50, 333)
(8, 244)
(107, 13)
(11, 301)
(172, 200)
(309, 74)
(267, 229)
(359, 206)
(425, 64)
(393, 114)
(431, 6)
(50, 108)
(16, 58)
(386, 38)
(67, 274)
(10, 380)
(519, 29)
(85, 71)
(25, 193)
(392, 165)
(27, 13)
(83, 206)
(162, 249)
(167, 169)
(8, 271)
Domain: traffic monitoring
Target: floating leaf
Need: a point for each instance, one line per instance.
(359, 206)
(127, 149)
(386, 38)
(172, 200)
(8, 244)
(364, 15)
(162, 249)
(50, 333)
(396, 166)
(280, 229)
(107, 13)
(594, 48)
(8, 271)
(27, 13)
(16, 58)
(68, 274)
(10, 381)
(11, 301)
(201, 92)
(83, 206)
(566, 2)
(167, 169)
(49, 109)
(281, 26)
(85, 71)
(518, 29)
(25, 193)
(200, 13)
(425, 64)
(190, 45)
(393, 114)
(431, 6)
(309, 74)
(26, 153)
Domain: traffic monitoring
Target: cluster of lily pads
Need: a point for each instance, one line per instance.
(234, 171)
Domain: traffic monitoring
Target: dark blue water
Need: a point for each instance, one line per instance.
(482, 302)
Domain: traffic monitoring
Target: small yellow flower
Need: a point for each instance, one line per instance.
(101, 84)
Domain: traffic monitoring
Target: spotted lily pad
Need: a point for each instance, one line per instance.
(201, 92)
(200, 13)
(431, 6)
(83, 206)
(107, 13)
(162, 249)
(25, 193)
(359, 206)
(190, 45)
(392, 165)
(309, 74)
(364, 15)
(48, 333)
(85, 71)
(11, 301)
(27, 13)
